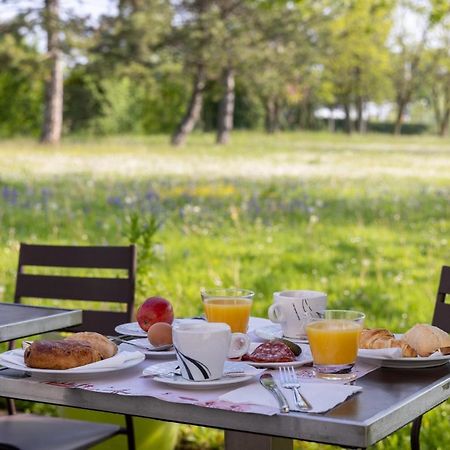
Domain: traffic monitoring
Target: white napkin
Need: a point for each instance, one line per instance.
(118, 360)
(322, 396)
(16, 357)
(395, 352)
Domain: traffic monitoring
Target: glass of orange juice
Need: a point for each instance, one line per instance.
(231, 306)
(334, 338)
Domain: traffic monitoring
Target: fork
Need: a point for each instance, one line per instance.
(289, 380)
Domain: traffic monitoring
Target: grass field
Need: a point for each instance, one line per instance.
(365, 219)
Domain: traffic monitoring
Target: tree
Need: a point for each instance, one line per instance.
(408, 69)
(355, 55)
(53, 106)
(436, 82)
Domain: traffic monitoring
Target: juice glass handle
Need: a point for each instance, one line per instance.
(275, 313)
(239, 345)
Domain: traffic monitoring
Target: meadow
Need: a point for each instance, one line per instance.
(364, 218)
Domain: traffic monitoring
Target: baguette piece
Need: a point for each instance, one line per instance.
(103, 345)
(426, 339)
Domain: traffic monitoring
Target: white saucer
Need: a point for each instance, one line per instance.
(181, 382)
(274, 331)
(162, 372)
(148, 351)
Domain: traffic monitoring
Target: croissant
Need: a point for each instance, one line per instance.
(381, 338)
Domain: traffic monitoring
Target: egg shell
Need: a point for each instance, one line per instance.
(160, 333)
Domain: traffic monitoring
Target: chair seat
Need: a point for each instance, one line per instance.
(32, 432)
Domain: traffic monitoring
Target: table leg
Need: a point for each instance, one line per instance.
(236, 440)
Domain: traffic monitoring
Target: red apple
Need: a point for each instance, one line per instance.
(153, 310)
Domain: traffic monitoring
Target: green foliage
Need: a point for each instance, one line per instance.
(21, 88)
(141, 231)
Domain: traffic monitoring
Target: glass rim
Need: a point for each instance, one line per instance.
(226, 293)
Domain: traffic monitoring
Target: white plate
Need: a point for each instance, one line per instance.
(177, 380)
(406, 363)
(274, 331)
(133, 328)
(305, 357)
(148, 352)
(77, 372)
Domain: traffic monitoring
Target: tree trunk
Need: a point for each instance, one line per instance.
(194, 109)
(271, 122)
(53, 107)
(331, 122)
(401, 106)
(361, 124)
(443, 129)
(348, 119)
(445, 116)
(226, 108)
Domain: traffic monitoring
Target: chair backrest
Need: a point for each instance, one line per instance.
(441, 317)
(116, 290)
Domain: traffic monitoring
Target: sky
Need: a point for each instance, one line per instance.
(95, 8)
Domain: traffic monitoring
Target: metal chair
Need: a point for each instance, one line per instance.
(63, 288)
(441, 319)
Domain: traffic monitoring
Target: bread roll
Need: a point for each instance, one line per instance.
(59, 354)
(426, 339)
(102, 344)
(381, 338)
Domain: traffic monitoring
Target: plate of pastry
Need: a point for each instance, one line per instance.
(80, 355)
(420, 347)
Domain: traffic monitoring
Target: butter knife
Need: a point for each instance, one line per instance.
(268, 382)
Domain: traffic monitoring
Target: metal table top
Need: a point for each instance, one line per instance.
(390, 399)
(18, 321)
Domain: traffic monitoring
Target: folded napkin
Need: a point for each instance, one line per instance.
(116, 361)
(15, 357)
(322, 396)
(395, 352)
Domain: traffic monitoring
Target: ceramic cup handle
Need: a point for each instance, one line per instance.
(239, 345)
(276, 314)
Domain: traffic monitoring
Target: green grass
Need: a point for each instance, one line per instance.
(364, 218)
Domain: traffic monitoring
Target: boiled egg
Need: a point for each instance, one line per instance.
(160, 333)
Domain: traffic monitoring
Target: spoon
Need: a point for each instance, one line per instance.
(160, 348)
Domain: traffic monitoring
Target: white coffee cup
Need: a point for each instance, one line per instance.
(202, 348)
(294, 309)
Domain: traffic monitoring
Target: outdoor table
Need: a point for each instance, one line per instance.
(390, 399)
(18, 321)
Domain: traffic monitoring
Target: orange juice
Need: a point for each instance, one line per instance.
(233, 311)
(334, 342)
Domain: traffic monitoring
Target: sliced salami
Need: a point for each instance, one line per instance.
(272, 351)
